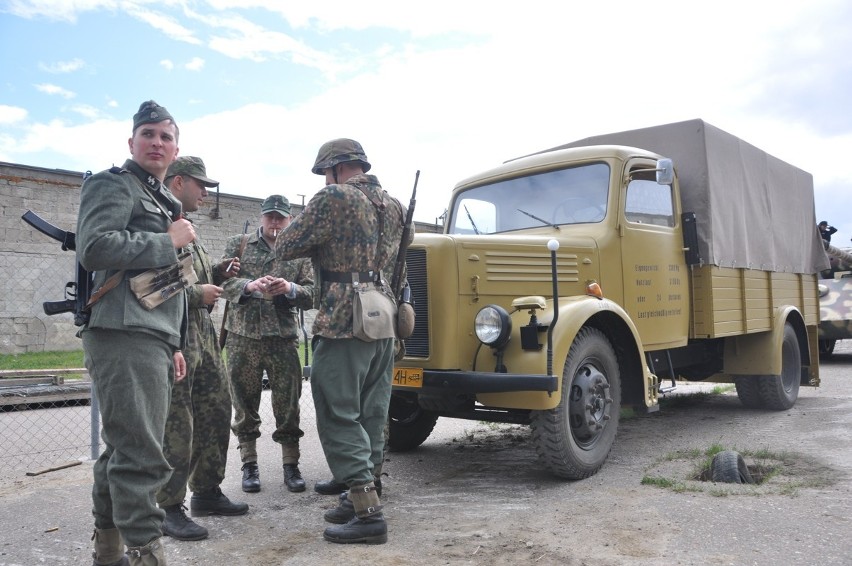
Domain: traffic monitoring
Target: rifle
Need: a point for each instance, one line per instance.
(77, 292)
(405, 294)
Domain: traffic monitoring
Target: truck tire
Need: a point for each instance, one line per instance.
(409, 424)
(575, 438)
(775, 392)
(728, 466)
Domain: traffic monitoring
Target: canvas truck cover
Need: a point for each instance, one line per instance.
(753, 210)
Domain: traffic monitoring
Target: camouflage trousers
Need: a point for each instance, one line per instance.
(247, 360)
(198, 426)
(351, 388)
(132, 374)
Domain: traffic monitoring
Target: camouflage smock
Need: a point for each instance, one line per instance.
(256, 317)
(339, 230)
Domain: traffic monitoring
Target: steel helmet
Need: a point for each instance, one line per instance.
(339, 151)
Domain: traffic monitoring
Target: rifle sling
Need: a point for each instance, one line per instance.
(108, 286)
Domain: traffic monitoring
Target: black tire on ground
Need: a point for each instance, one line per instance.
(775, 392)
(410, 425)
(728, 466)
(826, 347)
(748, 390)
(575, 438)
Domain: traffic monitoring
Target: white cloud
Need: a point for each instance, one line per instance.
(54, 90)
(196, 64)
(162, 22)
(63, 66)
(167, 65)
(12, 114)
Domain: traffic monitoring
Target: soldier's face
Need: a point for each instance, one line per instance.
(193, 194)
(273, 223)
(154, 147)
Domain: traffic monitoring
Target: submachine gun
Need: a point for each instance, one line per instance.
(77, 292)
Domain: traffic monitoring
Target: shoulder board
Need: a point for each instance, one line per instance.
(117, 170)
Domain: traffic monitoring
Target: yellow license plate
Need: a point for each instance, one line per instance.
(408, 377)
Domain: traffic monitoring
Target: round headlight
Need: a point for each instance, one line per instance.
(493, 326)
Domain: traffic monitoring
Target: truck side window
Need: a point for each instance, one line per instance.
(649, 203)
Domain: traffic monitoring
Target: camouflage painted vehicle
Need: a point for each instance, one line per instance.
(835, 301)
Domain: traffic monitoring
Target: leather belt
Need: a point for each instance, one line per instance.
(350, 276)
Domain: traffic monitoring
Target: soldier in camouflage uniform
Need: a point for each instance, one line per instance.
(350, 378)
(198, 425)
(263, 335)
(128, 223)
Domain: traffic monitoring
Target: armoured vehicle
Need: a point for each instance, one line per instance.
(835, 300)
(573, 282)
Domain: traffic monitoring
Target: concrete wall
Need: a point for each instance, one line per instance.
(35, 268)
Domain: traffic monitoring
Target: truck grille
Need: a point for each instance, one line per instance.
(417, 345)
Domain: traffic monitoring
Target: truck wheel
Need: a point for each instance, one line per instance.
(779, 392)
(575, 438)
(775, 392)
(748, 390)
(410, 425)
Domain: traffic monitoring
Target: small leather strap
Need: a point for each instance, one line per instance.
(108, 286)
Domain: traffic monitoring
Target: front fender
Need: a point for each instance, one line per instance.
(574, 313)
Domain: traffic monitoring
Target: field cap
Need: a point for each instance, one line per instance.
(276, 203)
(192, 166)
(150, 113)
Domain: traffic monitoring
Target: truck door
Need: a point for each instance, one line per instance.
(655, 278)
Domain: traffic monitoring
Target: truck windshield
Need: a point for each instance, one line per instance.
(576, 195)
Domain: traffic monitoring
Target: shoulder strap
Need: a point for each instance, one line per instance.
(380, 211)
(243, 243)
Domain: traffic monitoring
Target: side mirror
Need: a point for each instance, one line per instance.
(665, 171)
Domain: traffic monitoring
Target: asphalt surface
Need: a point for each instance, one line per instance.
(476, 494)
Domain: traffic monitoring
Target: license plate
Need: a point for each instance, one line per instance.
(408, 377)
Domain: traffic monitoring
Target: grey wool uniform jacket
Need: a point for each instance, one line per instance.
(122, 226)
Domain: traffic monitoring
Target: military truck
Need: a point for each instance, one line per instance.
(588, 277)
(835, 300)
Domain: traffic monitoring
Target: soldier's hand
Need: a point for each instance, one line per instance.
(229, 267)
(180, 365)
(210, 293)
(260, 284)
(278, 286)
(181, 232)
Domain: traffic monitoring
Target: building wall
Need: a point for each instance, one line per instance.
(36, 269)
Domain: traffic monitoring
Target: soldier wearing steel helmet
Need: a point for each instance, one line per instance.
(350, 378)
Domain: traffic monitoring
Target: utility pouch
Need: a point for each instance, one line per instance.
(156, 286)
(373, 313)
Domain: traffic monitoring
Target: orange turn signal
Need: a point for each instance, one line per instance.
(594, 290)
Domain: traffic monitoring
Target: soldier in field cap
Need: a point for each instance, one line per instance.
(198, 425)
(262, 334)
(128, 223)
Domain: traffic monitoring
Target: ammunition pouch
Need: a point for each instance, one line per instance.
(156, 286)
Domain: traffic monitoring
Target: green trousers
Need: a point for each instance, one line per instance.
(198, 427)
(132, 375)
(351, 388)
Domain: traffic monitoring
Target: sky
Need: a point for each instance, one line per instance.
(446, 88)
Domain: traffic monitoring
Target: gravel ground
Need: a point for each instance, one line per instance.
(475, 494)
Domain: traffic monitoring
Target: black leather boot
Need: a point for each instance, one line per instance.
(343, 513)
(251, 477)
(330, 487)
(369, 530)
(178, 525)
(293, 478)
(214, 502)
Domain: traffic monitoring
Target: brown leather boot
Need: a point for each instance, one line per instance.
(109, 548)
